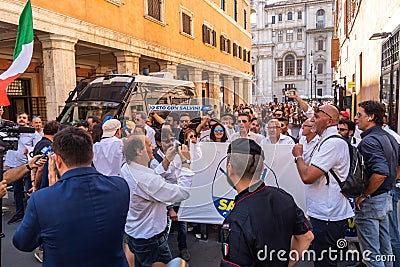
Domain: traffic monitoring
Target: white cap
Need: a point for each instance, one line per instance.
(110, 127)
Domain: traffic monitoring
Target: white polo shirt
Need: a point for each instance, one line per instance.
(283, 140)
(308, 147)
(325, 202)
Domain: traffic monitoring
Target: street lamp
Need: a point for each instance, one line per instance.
(315, 82)
(311, 72)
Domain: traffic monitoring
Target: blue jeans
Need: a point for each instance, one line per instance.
(394, 227)
(149, 251)
(372, 222)
(18, 188)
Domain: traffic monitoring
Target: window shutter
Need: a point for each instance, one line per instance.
(229, 46)
(204, 33)
(222, 43)
(214, 38)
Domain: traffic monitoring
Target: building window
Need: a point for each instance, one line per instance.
(240, 51)
(225, 44)
(223, 5)
(273, 19)
(299, 34)
(186, 22)
(289, 65)
(235, 49)
(244, 54)
(320, 19)
(280, 36)
(245, 19)
(155, 9)
(279, 17)
(273, 33)
(319, 91)
(235, 9)
(248, 56)
(289, 35)
(299, 67)
(320, 68)
(320, 44)
(280, 68)
(289, 16)
(299, 15)
(209, 35)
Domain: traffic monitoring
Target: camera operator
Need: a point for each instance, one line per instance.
(18, 158)
(17, 173)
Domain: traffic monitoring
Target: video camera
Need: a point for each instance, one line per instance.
(9, 134)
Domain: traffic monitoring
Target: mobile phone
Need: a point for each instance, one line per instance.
(289, 93)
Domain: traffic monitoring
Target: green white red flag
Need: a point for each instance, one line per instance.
(22, 53)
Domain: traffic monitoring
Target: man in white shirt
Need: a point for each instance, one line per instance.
(309, 139)
(244, 122)
(140, 121)
(327, 207)
(37, 124)
(108, 153)
(147, 216)
(275, 136)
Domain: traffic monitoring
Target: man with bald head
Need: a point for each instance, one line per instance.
(327, 208)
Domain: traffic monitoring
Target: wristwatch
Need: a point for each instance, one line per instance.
(187, 161)
(296, 158)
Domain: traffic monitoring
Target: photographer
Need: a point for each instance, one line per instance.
(17, 173)
(15, 158)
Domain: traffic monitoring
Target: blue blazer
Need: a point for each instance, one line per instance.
(79, 220)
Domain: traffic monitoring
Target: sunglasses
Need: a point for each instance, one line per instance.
(342, 129)
(242, 121)
(191, 136)
(184, 121)
(167, 141)
(320, 110)
(219, 130)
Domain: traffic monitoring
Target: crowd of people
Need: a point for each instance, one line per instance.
(69, 219)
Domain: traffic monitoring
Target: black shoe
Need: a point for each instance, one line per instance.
(16, 218)
(185, 255)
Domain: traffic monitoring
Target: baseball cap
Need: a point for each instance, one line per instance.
(110, 127)
(245, 146)
(345, 114)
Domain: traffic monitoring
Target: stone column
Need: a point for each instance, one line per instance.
(247, 90)
(228, 90)
(127, 62)
(196, 77)
(59, 74)
(213, 80)
(238, 83)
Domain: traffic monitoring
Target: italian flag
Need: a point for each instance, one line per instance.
(22, 53)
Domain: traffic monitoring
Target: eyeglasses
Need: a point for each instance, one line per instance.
(242, 121)
(218, 130)
(342, 129)
(320, 110)
(191, 136)
(278, 114)
(184, 121)
(167, 141)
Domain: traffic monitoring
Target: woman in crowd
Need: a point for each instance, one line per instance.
(218, 133)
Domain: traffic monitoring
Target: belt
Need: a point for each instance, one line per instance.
(157, 236)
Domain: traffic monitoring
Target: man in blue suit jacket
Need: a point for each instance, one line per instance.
(80, 219)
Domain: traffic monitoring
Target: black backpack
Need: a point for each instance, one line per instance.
(357, 180)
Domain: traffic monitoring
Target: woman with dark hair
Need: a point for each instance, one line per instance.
(218, 133)
(190, 136)
(97, 132)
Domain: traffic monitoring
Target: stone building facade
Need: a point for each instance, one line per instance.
(366, 53)
(291, 43)
(205, 41)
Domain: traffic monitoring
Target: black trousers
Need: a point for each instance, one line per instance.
(326, 236)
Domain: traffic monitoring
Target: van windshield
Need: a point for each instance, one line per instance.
(83, 110)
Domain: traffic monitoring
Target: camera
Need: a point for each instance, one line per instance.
(289, 93)
(9, 134)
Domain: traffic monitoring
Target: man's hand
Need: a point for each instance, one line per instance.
(358, 201)
(3, 188)
(52, 170)
(173, 215)
(297, 150)
(33, 164)
(170, 153)
(184, 153)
